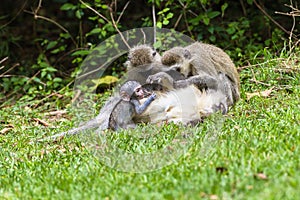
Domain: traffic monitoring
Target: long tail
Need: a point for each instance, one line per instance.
(101, 121)
(97, 122)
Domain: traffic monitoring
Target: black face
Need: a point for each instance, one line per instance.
(187, 54)
(154, 54)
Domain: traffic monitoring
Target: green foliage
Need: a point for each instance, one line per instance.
(164, 17)
(74, 29)
(8, 42)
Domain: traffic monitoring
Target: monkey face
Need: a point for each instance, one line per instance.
(139, 92)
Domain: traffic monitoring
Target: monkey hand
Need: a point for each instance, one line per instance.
(153, 79)
(161, 78)
(153, 96)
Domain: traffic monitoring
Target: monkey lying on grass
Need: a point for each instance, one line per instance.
(119, 111)
(205, 66)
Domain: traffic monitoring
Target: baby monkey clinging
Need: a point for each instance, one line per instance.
(129, 106)
(118, 112)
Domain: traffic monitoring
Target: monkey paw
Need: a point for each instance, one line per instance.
(153, 79)
(153, 96)
(161, 78)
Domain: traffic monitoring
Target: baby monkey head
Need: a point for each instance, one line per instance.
(131, 89)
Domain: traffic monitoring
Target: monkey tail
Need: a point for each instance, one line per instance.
(94, 123)
(101, 121)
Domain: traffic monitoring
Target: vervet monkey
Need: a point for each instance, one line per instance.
(203, 65)
(119, 111)
(177, 105)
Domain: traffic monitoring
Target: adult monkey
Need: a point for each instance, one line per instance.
(204, 65)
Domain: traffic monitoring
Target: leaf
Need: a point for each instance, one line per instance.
(250, 2)
(57, 112)
(94, 31)
(51, 45)
(79, 14)
(68, 6)
(206, 20)
(212, 38)
(7, 129)
(213, 14)
(159, 25)
(105, 80)
(165, 22)
(58, 80)
(261, 176)
(81, 53)
(40, 121)
(265, 93)
(213, 197)
(223, 8)
(169, 15)
(157, 44)
(230, 30)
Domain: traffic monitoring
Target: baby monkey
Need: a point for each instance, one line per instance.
(118, 112)
(129, 106)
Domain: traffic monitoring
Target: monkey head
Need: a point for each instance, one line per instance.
(131, 89)
(142, 55)
(175, 55)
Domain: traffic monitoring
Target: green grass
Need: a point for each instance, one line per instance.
(254, 156)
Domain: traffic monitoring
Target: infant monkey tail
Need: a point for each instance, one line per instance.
(75, 131)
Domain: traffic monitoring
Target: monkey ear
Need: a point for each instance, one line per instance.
(124, 96)
(187, 54)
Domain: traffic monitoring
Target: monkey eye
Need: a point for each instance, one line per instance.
(154, 53)
(138, 89)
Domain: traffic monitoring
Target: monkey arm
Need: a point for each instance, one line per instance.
(201, 81)
(139, 109)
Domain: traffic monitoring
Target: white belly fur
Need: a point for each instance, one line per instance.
(181, 106)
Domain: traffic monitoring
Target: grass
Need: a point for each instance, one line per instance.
(254, 156)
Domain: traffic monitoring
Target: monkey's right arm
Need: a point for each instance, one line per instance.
(139, 109)
(201, 81)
